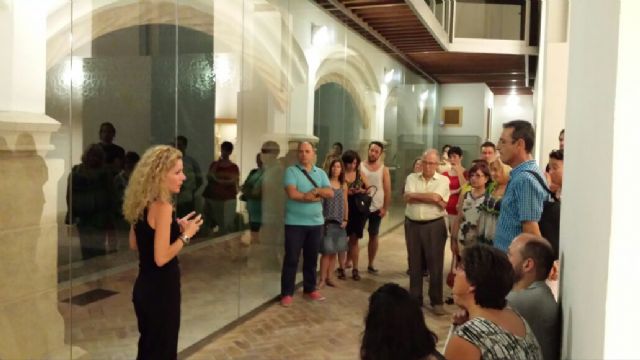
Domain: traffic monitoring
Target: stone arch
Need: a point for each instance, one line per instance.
(353, 72)
(268, 58)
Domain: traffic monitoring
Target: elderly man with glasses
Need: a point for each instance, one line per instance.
(426, 195)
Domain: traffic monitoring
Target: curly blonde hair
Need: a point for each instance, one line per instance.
(147, 181)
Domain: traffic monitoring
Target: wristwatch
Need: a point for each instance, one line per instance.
(185, 239)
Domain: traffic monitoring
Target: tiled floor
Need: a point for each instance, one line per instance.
(222, 281)
(331, 329)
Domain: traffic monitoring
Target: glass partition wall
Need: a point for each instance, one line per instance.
(235, 85)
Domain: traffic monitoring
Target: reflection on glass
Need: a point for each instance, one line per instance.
(164, 72)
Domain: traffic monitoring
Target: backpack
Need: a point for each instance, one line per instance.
(550, 220)
(252, 187)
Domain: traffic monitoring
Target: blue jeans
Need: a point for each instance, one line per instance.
(297, 238)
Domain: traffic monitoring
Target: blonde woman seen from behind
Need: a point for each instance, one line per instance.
(158, 237)
(490, 208)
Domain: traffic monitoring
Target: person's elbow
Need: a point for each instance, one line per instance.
(330, 193)
(160, 260)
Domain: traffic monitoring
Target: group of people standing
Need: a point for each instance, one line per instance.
(504, 260)
(326, 207)
(496, 227)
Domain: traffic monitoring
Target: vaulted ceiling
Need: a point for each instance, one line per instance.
(396, 29)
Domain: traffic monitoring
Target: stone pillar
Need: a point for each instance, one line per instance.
(30, 323)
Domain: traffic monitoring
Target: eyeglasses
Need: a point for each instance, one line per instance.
(477, 175)
(432, 163)
(504, 142)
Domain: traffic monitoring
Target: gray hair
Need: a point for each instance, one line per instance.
(431, 151)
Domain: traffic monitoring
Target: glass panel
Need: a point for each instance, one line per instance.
(489, 21)
(262, 79)
(439, 11)
(122, 76)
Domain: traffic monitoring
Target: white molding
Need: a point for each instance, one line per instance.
(492, 46)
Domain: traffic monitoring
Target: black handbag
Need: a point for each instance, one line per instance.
(363, 200)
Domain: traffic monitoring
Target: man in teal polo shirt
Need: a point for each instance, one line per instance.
(306, 185)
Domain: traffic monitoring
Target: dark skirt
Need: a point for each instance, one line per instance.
(357, 220)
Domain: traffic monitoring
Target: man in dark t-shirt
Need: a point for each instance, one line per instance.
(114, 154)
(221, 191)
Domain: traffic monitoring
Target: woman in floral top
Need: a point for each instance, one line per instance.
(465, 227)
(490, 208)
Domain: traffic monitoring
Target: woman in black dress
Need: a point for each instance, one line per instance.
(158, 236)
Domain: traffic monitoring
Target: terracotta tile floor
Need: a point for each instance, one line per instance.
(331, 329)
(222, 281)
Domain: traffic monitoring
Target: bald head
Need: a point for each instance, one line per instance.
(528, 247)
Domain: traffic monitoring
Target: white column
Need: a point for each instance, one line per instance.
(552, 97)
(599, 243)
(30, 323)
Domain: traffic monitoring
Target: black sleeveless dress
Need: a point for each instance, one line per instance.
(156, 297)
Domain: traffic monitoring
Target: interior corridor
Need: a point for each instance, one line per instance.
(331, 329)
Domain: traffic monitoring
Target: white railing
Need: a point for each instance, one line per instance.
(486, 28)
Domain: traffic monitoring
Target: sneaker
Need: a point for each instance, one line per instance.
(314, 296)
(286, 301)
(355, 274)
(372, 270)
(438, 310)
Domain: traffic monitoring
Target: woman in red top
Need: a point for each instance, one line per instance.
(456, 181)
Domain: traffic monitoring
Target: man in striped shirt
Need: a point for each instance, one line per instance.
(524, 197)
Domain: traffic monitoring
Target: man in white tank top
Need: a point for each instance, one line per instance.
(378, 176)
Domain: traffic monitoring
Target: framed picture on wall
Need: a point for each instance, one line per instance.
(452, 116)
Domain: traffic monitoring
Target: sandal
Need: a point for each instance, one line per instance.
(355, 275)
(341, 275)
(330, 283)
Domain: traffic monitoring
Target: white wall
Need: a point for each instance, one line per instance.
(23, 50)
(551, 82)
(507, 108)
(599, 241)
(621, 323)
(472, 99)
(487, 21)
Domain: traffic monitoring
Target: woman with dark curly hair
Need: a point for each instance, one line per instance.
(488, 330)
(356, 184)
(395, 328)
